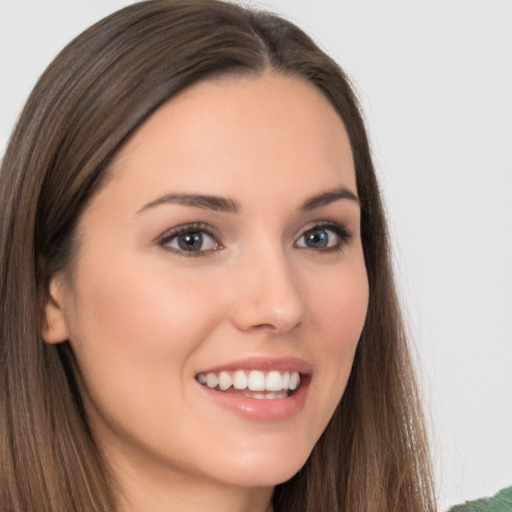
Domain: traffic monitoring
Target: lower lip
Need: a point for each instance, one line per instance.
(261, 409)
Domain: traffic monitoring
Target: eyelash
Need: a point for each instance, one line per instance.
(342, 233)
(196, 227)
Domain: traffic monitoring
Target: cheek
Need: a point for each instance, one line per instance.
(340, 304)
(133, 330)
(134, 333)
(340, 307)
(136, 310)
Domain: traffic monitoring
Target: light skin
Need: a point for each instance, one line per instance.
(277, 271)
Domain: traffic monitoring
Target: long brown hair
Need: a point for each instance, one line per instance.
(373, 455)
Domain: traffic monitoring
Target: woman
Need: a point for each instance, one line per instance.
(197, 305)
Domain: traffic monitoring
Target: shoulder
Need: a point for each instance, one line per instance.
(501, 502)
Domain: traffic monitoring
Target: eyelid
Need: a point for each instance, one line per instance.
(190, 227)
(344, 235)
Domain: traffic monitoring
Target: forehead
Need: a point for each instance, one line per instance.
(263, 129)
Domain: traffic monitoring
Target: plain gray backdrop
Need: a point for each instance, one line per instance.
(435, 81)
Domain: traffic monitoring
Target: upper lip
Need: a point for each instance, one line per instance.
(283, 364)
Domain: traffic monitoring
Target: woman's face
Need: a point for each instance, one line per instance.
(223, 251)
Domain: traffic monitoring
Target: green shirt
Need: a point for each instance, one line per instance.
(501, 502)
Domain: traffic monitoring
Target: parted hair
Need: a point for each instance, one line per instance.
(373, 455)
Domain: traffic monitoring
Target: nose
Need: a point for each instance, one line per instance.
(267, 295)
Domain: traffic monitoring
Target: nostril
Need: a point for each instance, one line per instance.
(263, 326)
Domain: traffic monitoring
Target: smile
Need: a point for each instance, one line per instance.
(258, 388)
(257, 384)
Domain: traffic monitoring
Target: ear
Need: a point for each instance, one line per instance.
(55, 328)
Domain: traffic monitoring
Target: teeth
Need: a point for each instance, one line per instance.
(239, 379)
(270, 395)
(294, 381)
(256, 381)
(225, 381)
(276, 394)
(274, 382)
(281, 394)
(211, 380)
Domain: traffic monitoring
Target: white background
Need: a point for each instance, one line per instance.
(435, 81)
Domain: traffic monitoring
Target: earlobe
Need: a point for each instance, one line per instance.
(55, 328)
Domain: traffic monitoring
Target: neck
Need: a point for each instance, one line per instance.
(192, 496)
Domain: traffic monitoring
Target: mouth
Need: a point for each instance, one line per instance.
(258, 384)
(258, 388)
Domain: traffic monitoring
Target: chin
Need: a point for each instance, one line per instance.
(265, 467)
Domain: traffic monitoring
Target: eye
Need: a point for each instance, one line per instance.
(190, 240)
(324, 237)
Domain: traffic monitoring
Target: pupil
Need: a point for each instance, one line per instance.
(317, 239)
(190, 241)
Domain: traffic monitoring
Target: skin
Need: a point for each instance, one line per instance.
(144, 317)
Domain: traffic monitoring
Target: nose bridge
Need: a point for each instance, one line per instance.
(267, 292)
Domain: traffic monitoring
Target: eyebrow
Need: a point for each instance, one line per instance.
(328, 197)
(205, 202)
(228, 205)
